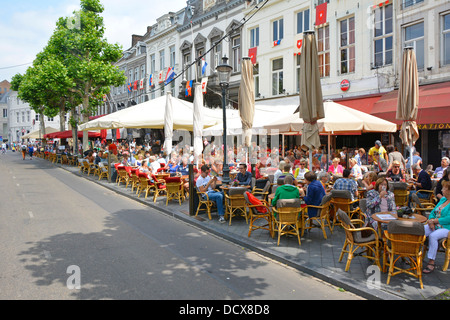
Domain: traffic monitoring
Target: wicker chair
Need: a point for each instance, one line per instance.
(322, 219)
(174, 189)
(88, 167)
(144, 185)
(203, 200)
(405, 239)
(401, 197)
(262, 194)
(354, 239)
(235, 203)
(102, 171)
(342, 199)
(423, 208)
(160, 187)
(134, 179)
(288, 218)
(256, 212)
(122, 175)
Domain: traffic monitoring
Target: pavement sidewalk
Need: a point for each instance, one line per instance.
(316, 256)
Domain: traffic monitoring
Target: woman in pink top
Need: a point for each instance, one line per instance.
(335, 167)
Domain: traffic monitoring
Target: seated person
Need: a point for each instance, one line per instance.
(379, 199)
(395, 174)
(183, 169)
(314, 193)
(335, 167)
(423, 182)
(172, 166)
(369, 180)
(244, 177)
(445, 177)
(299, 173)
(379, 163)
(356, 171)
(90, 157)
(286, 173)
(286, 191)
(346, 183)
(207, 184)
(439, 172)
(438, 226)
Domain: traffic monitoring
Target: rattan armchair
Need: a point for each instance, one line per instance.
(342, 199)
(174, 189)
(405, 239)
(322, 219)
(203, 200)
(235, 203)
(288, 218)
(259, 212)
(262, 194)
(423, 208)
(355, 239)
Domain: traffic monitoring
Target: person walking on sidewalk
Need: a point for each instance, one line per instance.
(31, 151)
(24, 151)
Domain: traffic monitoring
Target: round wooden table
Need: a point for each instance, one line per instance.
(386, 217)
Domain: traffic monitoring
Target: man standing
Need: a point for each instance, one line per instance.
(378, 148)
(346, 183)
(207, 184)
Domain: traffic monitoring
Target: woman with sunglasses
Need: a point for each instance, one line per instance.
(395, 173)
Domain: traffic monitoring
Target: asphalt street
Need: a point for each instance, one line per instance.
(64, 237)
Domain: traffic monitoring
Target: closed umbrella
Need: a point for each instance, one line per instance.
(246, 100)
(408, 100)
(198, 122)
(168, 124)
(311, 99)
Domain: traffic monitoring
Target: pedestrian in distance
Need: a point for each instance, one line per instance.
(24, 151)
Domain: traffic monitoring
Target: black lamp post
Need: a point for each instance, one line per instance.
(224, 73)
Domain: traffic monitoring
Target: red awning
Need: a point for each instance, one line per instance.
(434, 105)
(68, 134)
(364, 104)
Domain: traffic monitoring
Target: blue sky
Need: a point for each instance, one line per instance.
(26, 26)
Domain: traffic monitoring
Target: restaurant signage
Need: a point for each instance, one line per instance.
(345, 85)
(434, 126)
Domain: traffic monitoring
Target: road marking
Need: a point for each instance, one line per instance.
(31, 214)
(18, 185)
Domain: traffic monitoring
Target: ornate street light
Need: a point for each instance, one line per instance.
(224, 73)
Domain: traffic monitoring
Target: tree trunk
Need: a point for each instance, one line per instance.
(62, 122)
(85, 118)
(42, 123)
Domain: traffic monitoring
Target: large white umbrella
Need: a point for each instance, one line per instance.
(408, 100)
(168, 124)
(246, 100)
(311, 99)
(38, 134)
(150, 114)
(198, 121)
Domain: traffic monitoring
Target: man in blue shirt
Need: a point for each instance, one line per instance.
(314, 193)
(346, 183)
(244, 177)
(423, 182)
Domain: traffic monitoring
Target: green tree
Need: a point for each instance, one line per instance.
(87, 56)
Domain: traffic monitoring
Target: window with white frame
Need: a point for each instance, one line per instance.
(5, 113)
(445, 40)
(143, 71)
(278, 29)
(17, 117)
(130, 76)
(256, 79)
(383, 35)
(303, 21)
(236, 54)
(347, 45)
(414, 37)
(186, 63)
(23, 116)
(162, 61)
(277, 76)
(172, 56)
(28, 116)
(254, 37)
(152, 63)
(216, 52)
(323, 48)
(409, 3)
(297, 69)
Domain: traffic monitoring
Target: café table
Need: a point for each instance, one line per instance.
(386, 217)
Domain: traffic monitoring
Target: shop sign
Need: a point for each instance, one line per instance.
(345, 85)
(434, 126)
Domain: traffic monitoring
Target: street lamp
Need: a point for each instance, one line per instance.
(224, 73)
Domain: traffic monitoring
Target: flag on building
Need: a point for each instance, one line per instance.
(135, 85)
(252, 54)
(130, 88)
(204, 84)
(188, 92)
(150, 81)
(277, 42)
(161, 76)
(170, 75)
(321, 14)
(141, 84)
(204, 65)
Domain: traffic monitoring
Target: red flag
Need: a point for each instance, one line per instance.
(321, 14)
(135, 85)
(252, 54)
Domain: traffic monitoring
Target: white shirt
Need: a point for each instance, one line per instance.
(203, 182)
